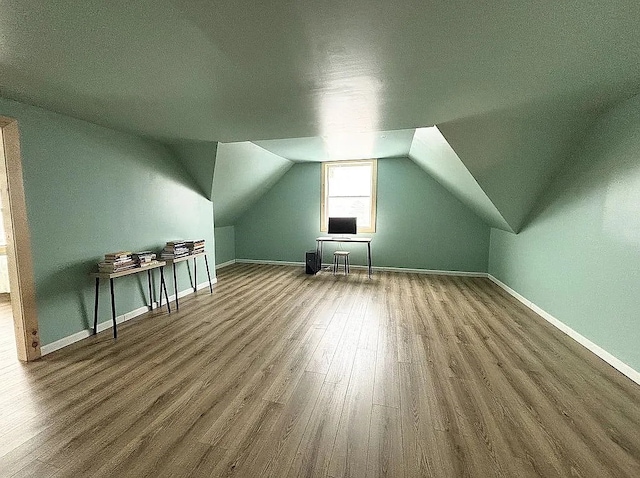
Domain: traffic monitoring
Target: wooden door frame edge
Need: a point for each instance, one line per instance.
(19, 258)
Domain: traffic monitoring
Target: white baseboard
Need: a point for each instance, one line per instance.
(582, 340)
(182, 293)
(375, 268)
(225, 264)
(83, 334)
(426, 271)
(273, 263)
(68, 340)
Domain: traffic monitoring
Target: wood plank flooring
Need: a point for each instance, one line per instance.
(283, 374)
(8, 354)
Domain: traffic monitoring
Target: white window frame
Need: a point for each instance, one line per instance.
(326, 167)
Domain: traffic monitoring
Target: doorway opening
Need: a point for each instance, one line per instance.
(18, 244)
(7, 339)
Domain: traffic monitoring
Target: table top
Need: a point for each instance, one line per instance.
(343, 239)
(133, 270)
(185, 258)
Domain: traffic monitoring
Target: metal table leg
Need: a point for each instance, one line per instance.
(369, 257)
(206, 264)
(175, 285)
(319, 255)
(195, 274)
(113, 310)
(163, 285)
(150, 293)
(95, 308)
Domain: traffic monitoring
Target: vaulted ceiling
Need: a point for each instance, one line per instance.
(511, 84)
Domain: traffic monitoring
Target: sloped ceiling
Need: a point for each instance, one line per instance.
(199, 158)
(238, 71)
(432, 153)
(425, 146)
(513, 154)
(510, 83)
(379, 144)
(243, 173)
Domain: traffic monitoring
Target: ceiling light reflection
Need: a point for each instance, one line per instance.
(349, 112)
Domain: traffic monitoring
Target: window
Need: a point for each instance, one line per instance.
(349, 190)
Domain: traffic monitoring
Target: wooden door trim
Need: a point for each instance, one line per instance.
(19, 257)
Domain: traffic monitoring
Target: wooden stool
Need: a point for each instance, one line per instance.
(336, 261)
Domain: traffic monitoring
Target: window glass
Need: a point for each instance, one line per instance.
(348, 190)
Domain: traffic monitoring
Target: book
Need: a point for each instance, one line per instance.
(110, 267)
(195, 247)
(117, 255)
(143, 257)
(147, 264)
(172, 255)
(117, 261)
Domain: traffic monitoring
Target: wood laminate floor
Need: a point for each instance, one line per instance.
(8, 354)
(283, 374)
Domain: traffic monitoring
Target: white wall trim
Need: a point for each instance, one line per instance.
(70, 339)
(225, 264)
(107, 324)
(426, 271)
(83, 334)
(582, 340)
(183, 293)
(273, 263)
(375, 268)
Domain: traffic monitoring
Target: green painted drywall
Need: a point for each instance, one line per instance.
(225, 244)
(198, 158)
(419, 223)
(579, 257)
(243, 173)
(91, 190)
(514, 153)
(431, 152)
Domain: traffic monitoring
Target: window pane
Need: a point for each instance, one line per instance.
(350, 180)
(350, 207)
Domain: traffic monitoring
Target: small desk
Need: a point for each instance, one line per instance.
(346, 240)
(173, 263)
(128, 272)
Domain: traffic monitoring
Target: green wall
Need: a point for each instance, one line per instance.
(225, 244)
(198, 159)
(91, 190)
(419, 223)
(579, 256)
(243, 173)
(514, 153)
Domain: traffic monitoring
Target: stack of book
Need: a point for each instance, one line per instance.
(175, 250)
(196, 247)
(116, 262)
(144, 258)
